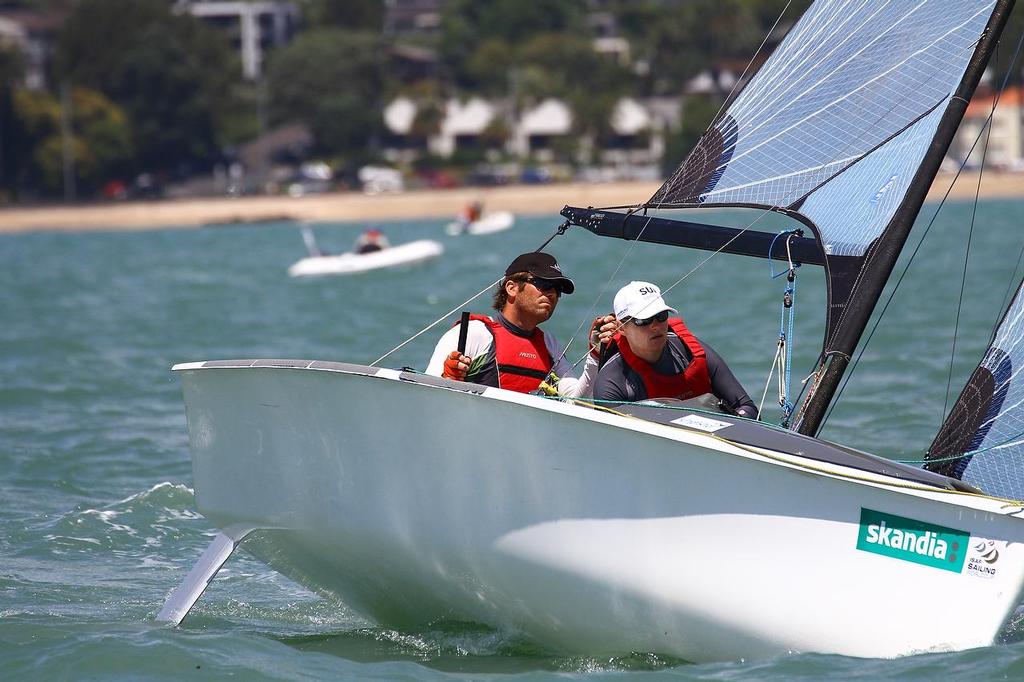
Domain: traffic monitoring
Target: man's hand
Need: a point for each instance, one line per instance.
(456, 365)
(601, 332)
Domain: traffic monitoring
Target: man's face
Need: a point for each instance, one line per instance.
(535, 299)
(648, 341)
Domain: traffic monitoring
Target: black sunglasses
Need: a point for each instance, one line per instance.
(660, 317)
(545, 284)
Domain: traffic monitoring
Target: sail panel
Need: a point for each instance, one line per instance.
(863, 199)
(850, 76)
(986, 424)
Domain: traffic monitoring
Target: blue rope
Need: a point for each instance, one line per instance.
(788, 301)
(786, 322)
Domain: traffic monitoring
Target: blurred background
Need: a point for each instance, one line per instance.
(108, 100)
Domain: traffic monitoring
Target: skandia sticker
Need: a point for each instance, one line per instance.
(912, 540)
(701, 423)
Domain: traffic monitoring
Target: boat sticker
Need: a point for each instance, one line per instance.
(701, 423)
(983, 557)
(912, 540)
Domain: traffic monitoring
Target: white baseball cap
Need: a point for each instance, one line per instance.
(640, 300)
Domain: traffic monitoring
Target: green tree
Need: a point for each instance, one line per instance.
(351, 15)
(169, 72)
(552, 65)
(11, 70)
(680, 40)
(488, 67)
(696, 114)
(467, 24)
(331, 80)
(100, 138)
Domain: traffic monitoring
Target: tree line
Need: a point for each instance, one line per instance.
(143, 89)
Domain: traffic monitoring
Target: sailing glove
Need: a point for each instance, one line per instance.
(456, 365)
(601, 332)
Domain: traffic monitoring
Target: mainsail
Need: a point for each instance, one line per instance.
(843, 128)
(982, 440)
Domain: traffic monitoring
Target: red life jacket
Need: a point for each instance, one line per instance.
(694, 380)
(522, 362)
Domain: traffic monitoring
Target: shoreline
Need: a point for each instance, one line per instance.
(416, 204)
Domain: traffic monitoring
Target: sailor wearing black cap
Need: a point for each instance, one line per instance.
(509, 350)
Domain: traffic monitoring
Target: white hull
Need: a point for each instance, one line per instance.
(487, 224)
(593, 533)
(350, 263)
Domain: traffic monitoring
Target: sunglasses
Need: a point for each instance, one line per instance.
(660, 317)
(545, 284)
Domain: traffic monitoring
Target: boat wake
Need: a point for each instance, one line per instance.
(465, 647)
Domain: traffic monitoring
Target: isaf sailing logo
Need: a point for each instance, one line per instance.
(983, 558)
(912, 540)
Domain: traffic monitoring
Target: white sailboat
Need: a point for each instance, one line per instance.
(700, 535)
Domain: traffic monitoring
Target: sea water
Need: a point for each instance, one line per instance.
(97, 520)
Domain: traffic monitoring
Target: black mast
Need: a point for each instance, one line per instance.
(883, 253)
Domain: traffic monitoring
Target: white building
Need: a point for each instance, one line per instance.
(539, 128)
(31, 33)
(463, 126)
(1005, 142)
(636, 146)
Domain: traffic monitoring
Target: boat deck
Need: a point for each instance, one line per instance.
(755, 434)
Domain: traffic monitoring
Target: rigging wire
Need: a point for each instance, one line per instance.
(439, 320)
(945, 197)
(692, 270)
(1014, 280)
(728, 98)
(560, 230)
(600, 293)
(967, 256)
(784, 354)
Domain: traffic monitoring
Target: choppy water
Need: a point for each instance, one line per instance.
(96, 509)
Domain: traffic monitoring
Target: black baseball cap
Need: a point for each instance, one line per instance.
(543, 265)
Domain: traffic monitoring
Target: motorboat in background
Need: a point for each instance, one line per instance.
(361, 259)
(484, 223)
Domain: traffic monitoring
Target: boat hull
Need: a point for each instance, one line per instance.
(352, 263)
(414, 499)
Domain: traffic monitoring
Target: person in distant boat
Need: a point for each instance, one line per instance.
(509, 350)
(371, 240)
(471, 213)
(653, 355)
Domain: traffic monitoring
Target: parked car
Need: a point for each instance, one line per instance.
(380, 179)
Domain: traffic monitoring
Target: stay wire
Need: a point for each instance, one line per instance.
(692, 270)
(967, 256)
(783, 348)
(560, 230)
(604, 287)
(942, 203)
(892, 294)
(736, 84)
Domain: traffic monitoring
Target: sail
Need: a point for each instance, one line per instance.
(837, 122)
(849, 77)
(843, 129)
(982, 440)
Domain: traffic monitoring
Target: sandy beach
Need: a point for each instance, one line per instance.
(356, 207)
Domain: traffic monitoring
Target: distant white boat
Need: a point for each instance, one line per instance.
(486, 224)
(317, 264)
